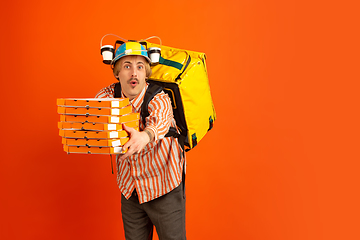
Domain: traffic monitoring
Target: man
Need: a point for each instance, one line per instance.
(150, 173)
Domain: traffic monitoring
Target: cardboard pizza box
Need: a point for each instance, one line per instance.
(95, 111)
(100, 119)
(93, 134)
(117, 142)
(96, 126)
(93, 150)
(93, 102)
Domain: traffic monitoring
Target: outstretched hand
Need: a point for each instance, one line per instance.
(136, 143)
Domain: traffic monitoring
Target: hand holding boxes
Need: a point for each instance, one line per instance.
(95, 125)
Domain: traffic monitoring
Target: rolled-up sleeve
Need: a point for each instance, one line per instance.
(161, 115)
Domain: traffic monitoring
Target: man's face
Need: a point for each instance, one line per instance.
(132, 75)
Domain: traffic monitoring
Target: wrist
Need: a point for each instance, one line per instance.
(150, 134)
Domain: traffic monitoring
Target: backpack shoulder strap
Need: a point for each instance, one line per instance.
(150, 93)
(152, 90)
(117, 90)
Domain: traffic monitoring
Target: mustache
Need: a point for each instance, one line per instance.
(131, 79)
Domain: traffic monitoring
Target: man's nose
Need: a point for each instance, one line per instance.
(134, 72)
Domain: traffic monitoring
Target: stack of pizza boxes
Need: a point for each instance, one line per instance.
(95, 125)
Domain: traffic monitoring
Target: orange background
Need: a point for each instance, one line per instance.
(282, 161)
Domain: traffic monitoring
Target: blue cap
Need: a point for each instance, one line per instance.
(130, 48)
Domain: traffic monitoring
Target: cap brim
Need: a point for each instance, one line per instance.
(124, 55)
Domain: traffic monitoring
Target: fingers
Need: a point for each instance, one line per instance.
(128, 129)
(136, 143)
(128, 150)
(131, 148)
(127, 145)
(124, 156)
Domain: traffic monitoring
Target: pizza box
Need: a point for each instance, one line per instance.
(95, 111)
(93, 102)
(93, 134)
(100, 119)
(117, 142)
(95, 126)
(93, 150)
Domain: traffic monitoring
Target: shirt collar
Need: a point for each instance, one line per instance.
(137, 101)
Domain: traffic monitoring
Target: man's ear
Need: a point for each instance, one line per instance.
(116, 76)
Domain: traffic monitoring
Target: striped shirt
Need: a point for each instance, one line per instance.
(157, 169)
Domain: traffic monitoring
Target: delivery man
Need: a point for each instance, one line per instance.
(150, 173)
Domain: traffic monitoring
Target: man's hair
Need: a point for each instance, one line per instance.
(117, 68)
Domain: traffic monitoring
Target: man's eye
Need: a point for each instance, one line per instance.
(127, 66)
(140, 67)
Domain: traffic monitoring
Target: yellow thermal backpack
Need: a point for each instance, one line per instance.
(183, 76)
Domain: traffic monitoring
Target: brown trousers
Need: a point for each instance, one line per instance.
(166, 213)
